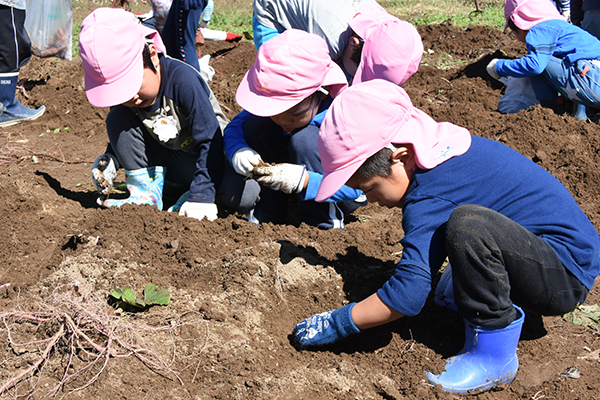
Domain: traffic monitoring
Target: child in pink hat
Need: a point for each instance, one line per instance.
(515, 237)
(363, 38)
(285, 95)
(164, 123)
(561, 57)
(381, 47)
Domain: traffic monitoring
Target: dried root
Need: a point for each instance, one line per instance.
(79, 332)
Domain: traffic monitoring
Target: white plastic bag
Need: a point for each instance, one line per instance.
(50, 27)
(518, 95)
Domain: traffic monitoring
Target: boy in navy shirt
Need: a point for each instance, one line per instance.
(515, 237)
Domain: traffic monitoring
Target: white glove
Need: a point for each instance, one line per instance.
(244, 160)
(491, 69)
(104, 171)
(567, 14)
(288, 178)
(192, 209)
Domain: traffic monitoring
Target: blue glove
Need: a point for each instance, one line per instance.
(325, 328)
(194, 4)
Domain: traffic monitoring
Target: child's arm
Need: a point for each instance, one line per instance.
(329, 327)
(372, 312)
(241, 157)
(262, 33)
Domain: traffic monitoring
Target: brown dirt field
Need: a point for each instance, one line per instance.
(238, 289)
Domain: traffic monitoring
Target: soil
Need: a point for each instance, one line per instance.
(238, 289)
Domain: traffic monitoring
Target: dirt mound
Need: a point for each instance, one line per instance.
(238, 289)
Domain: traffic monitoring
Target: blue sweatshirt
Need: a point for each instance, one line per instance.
(491, 175)
(554, 38)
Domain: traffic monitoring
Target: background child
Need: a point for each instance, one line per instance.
(517, 240)
(164, 120)
(392, 48)
(285, 95)
(15, 52)
(561, 57)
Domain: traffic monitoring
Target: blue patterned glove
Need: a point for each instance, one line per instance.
(194, 4)
(325, 328)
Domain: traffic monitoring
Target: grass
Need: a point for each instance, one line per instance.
(459, 13)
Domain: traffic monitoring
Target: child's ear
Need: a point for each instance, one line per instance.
(404, 155)
(153, 53)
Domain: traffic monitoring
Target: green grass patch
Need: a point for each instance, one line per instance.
(235, 21)
(459, 13)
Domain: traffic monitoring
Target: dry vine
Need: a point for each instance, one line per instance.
(80, 329)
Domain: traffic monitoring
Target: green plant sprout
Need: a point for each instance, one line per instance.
(127, 297)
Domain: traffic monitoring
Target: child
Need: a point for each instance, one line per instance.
(561, 57)
(164, 120)
(285, 95)
(15, 52)
(179, 31)
(381, 47)
(517, 240)
(392, 48)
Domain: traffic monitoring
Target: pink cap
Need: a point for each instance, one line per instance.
(288, 68)
(110, 45)
(369, 116)
(527, 13)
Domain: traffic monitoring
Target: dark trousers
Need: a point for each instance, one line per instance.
(497, 262)
(274, 146)
(15, 46)
(135, 148)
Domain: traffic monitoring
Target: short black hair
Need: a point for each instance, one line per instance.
(379, 164)
(147, 59)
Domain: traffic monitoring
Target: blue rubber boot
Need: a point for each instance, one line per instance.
(11, 110)
(145, 186)
(488, 357)
(579, 112)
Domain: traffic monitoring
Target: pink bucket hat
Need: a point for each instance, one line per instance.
(527, 13)
(369, 116)
(392, 48)
(110, 45)
(288, 68)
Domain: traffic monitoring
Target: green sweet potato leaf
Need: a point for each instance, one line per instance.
(588, 316)
(153, 296)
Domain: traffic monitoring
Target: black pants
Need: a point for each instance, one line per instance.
(497, 262)
(15, 46)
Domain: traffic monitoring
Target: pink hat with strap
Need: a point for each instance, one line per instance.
(288, 68)
(110, 45)
(392, 48)
(371, 115)
(527, 13)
